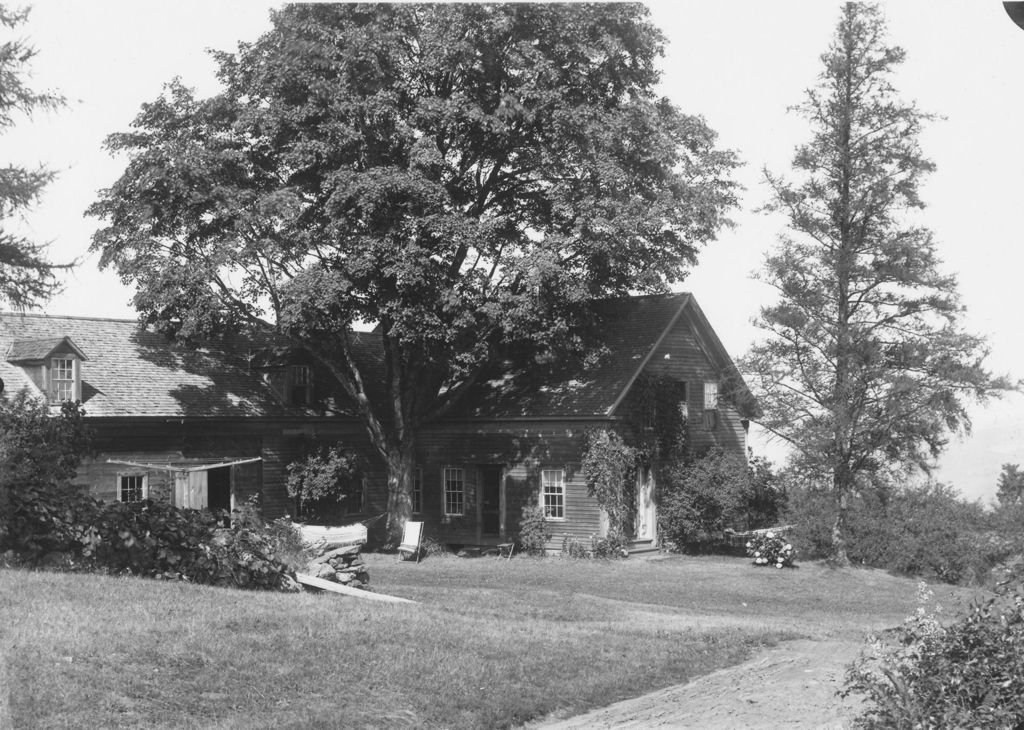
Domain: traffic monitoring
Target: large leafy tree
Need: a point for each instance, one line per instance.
(462, 176)
(26, 274)
(866, 368)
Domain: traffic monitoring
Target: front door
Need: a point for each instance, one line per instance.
(646, 510)
(490, 501)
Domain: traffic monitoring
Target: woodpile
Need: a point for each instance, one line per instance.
(337, 555)
(342, 565)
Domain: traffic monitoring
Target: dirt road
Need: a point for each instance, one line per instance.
(791, 686)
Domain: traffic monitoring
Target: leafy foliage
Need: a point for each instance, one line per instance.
(866, 365)
(969, 673)
(661, 406)
(158, 540)
(1010, 486)
(534, 530)
(609, 467)
(917, 529)
(465, 176)
(324, 475)
(39, 453)
(26, 276)
(599, 548)
(771, 550)
(699, 499)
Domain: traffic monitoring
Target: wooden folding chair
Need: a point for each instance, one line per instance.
(411, 540)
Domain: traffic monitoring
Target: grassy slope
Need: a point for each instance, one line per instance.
(494, 642)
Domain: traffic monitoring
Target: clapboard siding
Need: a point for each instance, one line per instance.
(682, 357)
(185, 441)
(523, 449)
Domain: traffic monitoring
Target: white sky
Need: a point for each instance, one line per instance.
(739, 64)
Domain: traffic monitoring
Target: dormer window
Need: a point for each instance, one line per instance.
(54, 365)
(300, 385)
(63, 379)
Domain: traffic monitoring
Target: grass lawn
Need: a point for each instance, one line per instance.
(493, 643)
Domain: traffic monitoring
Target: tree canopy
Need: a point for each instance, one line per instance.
(866, 367)
(27, 277)
(461, 176)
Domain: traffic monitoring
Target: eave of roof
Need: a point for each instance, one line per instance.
(650, 353)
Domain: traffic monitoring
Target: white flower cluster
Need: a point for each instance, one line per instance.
(769, 550)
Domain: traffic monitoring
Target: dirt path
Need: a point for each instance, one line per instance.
(791, 686)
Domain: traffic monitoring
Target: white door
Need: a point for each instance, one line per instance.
(646, 511)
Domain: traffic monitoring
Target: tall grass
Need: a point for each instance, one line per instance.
(493, 643)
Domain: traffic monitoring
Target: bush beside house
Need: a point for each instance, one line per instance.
(47, 520)
(719, 490)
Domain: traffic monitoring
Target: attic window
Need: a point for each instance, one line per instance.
(300, 385)
(65, 382)
(710, 406)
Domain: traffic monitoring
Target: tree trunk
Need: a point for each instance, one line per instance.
(400, 461)
(839, 558)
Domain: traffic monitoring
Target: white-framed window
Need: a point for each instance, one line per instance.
(417, 491)
(454, 492)
(300, 389)
(710, 405)
(132, 487)
(552, 493)
(63, 380)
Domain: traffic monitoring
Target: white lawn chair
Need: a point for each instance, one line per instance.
(411, 540)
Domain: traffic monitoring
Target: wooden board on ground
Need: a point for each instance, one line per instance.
(327, 585)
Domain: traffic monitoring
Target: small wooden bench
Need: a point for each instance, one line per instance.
(505, 549)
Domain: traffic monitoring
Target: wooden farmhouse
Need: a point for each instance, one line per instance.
(215, 426)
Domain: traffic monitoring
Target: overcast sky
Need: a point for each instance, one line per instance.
(739, 64)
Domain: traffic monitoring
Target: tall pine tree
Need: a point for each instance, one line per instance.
(866, 367)
(26, 275)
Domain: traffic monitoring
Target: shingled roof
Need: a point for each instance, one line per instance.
(632, 329)
(134, 372)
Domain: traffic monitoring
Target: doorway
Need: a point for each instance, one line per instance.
(218, 484)
(646, 518)
(492, 517)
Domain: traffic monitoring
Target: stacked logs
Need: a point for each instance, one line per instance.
(342, 565)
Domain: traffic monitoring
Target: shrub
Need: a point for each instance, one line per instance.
(158, 540)
(925, 529)
(771, 550)
(719, 490)
(967, 674)
(321, 480)
(601, 548)
(534, 531)
(40, 508)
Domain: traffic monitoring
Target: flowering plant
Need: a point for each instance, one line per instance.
(771, 550)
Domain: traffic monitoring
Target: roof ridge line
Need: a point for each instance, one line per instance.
(44, 315)
(687, 298)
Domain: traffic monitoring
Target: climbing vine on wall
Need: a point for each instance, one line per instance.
(660, 419)
(609, 467)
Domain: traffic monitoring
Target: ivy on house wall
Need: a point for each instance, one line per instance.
(660, 419)
(609, 467)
